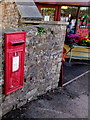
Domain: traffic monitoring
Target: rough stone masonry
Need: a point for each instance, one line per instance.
(42, 64)
(9, 14)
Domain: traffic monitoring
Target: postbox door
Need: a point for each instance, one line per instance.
(15, 68)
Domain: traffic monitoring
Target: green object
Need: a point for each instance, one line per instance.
(40, 30)
(84, 20)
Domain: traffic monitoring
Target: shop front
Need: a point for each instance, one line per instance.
(77, 42)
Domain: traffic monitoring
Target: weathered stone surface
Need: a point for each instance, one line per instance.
(30, 93)
(21, 103)
(9, 14)
(42, 65)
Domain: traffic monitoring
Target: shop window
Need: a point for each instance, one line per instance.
(48, 14)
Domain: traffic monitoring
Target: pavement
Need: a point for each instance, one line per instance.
(74, 69)
(70, 101)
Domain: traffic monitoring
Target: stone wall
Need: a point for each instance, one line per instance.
(9, 14)
(42, 64)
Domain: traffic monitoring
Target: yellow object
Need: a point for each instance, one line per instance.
(78, 52)
(87, 40)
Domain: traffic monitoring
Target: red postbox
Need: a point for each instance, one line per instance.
(14, 61)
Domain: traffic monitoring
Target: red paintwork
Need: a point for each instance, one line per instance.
(14, 80)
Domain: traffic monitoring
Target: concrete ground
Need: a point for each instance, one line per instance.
(70, 101)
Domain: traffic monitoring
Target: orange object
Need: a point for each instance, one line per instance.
(64, 55)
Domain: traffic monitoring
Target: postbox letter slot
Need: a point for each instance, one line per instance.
(16, 43)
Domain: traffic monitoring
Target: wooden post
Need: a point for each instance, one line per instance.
(77, 17)
(57, 13)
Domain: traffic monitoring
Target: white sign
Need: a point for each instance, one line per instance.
(46, 18)
(15, 63)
